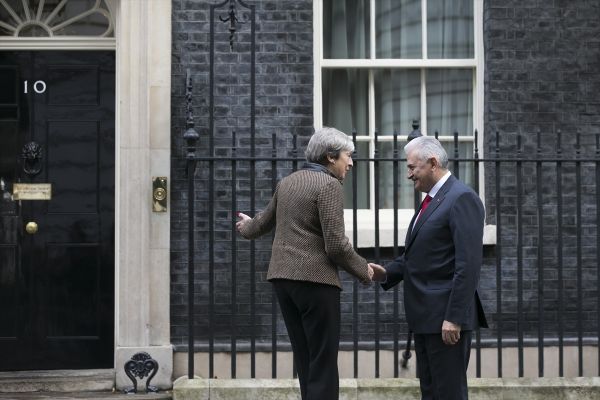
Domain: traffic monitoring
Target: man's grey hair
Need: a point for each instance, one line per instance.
(426, 147)
(327, 142)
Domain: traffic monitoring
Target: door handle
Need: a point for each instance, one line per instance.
(31, 228)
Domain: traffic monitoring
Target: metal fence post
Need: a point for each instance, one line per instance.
(191, 137)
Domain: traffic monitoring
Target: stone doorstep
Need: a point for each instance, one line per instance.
(57, 381)
(587, 388)
(166, 395)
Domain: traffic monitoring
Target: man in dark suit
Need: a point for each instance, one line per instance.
(440, 267)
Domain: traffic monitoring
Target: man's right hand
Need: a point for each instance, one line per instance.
(379, 273)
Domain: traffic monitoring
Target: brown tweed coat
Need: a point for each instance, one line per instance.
(307, 212)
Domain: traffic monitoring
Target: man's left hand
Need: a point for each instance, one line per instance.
(450, 333)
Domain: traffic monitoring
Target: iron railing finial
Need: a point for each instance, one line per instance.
(416, 132)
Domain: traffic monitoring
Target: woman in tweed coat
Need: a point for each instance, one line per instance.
(307, 212)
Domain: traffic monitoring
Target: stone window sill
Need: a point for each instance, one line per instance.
(366, 228)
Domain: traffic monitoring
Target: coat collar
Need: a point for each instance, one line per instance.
(310, 166)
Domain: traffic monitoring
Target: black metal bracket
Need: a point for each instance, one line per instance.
(139, 366)
(232, 19)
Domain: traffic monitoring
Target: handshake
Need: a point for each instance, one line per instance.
(376, 272)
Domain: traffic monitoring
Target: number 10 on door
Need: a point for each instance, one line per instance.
(39, 87)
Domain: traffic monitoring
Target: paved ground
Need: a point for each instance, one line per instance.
(84, 396)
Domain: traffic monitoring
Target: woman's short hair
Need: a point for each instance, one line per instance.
(427, 147)
(327, 142)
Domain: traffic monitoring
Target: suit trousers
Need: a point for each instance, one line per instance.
(311, 312)
(442, 368)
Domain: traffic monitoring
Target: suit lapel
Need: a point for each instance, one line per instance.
(435, 203)
(407, 240)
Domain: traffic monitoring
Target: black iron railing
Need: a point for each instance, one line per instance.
(540, 278)
(545, 293)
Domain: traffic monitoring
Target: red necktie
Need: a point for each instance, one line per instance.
(424, 206)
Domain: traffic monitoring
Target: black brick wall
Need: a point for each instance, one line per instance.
(542, 72)
(284, 97)
(542, 69)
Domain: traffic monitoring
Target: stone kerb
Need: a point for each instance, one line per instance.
(586, 388)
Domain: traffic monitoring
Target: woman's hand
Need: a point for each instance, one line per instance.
(370, 272)
(243, 220)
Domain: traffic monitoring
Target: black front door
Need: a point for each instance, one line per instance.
(57, 127)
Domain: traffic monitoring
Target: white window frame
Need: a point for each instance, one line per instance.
(366, 217)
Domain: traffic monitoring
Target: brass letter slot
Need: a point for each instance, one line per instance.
(32, 191)
(159, 194)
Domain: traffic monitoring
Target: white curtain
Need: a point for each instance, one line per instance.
(397, 104)
(450, 101)
(345, 97)
(346, 28)
(450, 29)
(398, 28)
(397, 100)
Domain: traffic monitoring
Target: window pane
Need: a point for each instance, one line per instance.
(14, 5)
(397, 100)
(450, 101)
(56, 18)
(346, 29)
(398, 25)
(345, 100)
(33, 31)
(405, 192)
(361, 169)
(94, 24)
(450, 29)
(465, 168)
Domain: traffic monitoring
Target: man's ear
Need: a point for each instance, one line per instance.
(434, 163)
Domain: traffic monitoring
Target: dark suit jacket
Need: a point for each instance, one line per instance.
(441, 262)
